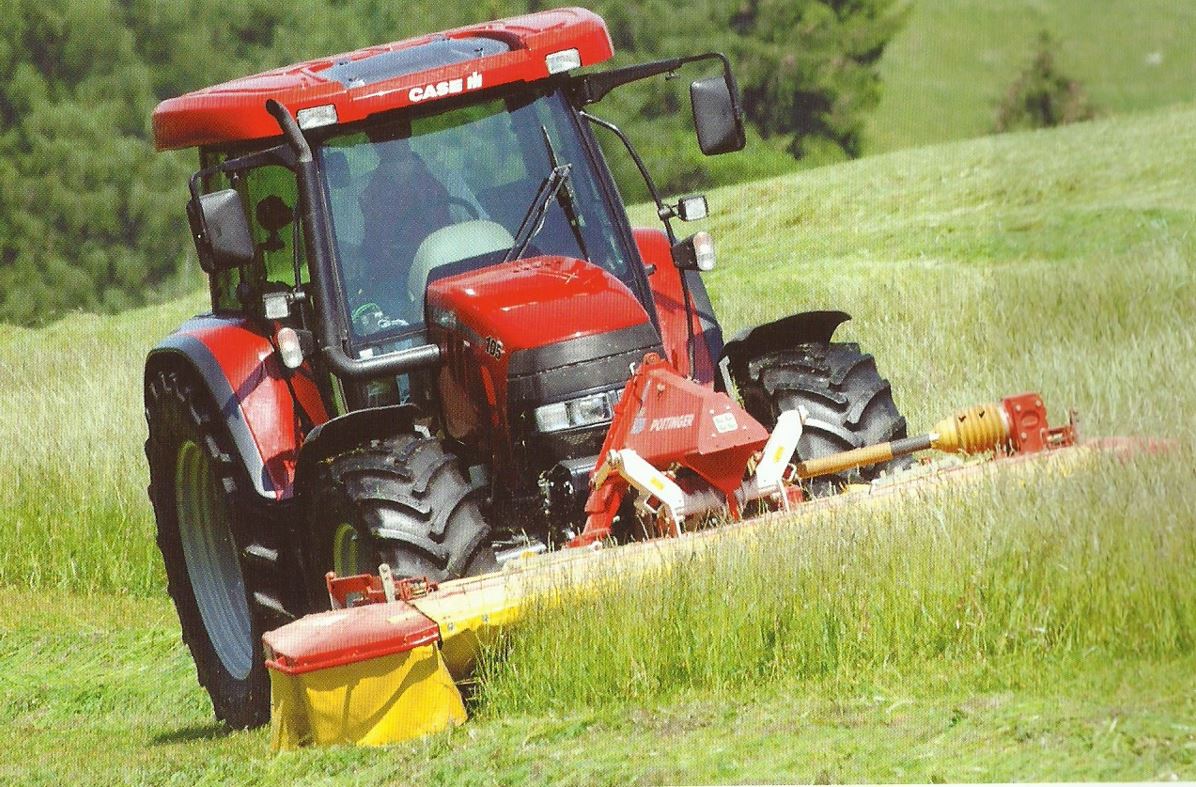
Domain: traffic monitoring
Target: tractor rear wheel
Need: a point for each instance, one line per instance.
(847, 401)
(222, 554)
(400, 501)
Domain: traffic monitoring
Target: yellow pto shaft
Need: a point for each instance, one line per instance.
(970, 431)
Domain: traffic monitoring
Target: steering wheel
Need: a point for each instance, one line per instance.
(471, 210)
(369, 318)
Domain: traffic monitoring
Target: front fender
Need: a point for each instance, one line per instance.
(801, 328)
(346, 431)
(242, 373)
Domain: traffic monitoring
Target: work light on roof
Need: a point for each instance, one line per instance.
(314, 117)
(565, 60)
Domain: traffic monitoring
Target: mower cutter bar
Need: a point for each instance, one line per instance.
(379, 671)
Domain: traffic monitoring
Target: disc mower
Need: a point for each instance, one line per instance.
(436, 344)
(383, 666)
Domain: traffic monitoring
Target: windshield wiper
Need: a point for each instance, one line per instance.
(534, 220)
(567, 199)
(556, 185)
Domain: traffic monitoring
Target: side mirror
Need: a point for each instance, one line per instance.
(719, 126)
(221, 231)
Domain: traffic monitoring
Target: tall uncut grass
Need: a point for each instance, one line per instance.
(73, 507)
(1060, 261)
(1016, 570)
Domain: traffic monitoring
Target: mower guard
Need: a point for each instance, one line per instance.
(369, 675)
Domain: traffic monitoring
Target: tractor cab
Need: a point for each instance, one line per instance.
(430, 194)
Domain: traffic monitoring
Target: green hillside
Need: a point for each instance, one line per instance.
(944, 73)
(1027, 630)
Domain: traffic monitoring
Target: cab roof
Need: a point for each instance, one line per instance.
(358, 84)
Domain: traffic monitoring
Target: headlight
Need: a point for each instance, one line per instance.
(585, 411)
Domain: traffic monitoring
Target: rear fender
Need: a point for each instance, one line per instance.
(787, 332)
(242, 372)
(665, 279)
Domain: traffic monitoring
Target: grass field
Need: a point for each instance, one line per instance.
(1037, 629)
(945, 72)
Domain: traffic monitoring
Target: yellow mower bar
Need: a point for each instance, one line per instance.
(384, 672)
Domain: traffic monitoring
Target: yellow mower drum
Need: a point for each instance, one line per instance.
(366, 676)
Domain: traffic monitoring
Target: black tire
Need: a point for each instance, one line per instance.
(224, 555)
(400, 501)
(848, 403)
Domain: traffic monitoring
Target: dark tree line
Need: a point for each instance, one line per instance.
(91, 217)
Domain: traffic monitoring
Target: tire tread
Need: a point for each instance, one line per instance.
(407, 492)
(179, 408)
(849, 404)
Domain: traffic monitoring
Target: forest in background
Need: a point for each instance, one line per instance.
(91, 217)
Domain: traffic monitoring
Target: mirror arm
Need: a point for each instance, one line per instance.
(592, 88)
(662, 210)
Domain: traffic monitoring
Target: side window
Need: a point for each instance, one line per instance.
(271, 196)
(223, 287)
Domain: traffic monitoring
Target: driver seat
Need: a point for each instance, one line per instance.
(452, 244)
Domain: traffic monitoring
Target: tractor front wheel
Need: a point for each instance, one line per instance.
(848, 403)
(400, 501)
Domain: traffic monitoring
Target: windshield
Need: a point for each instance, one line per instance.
(418, 198)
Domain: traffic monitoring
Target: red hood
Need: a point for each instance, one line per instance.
(537, 301)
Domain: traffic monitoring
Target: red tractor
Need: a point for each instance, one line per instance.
(427, 300)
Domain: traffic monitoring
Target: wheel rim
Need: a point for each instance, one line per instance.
(213, 565)
(346, 551)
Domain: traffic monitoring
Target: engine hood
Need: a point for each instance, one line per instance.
(533, 302)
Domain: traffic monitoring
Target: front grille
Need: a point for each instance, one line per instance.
(561, 372)
(577, 367)
(548, 449)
